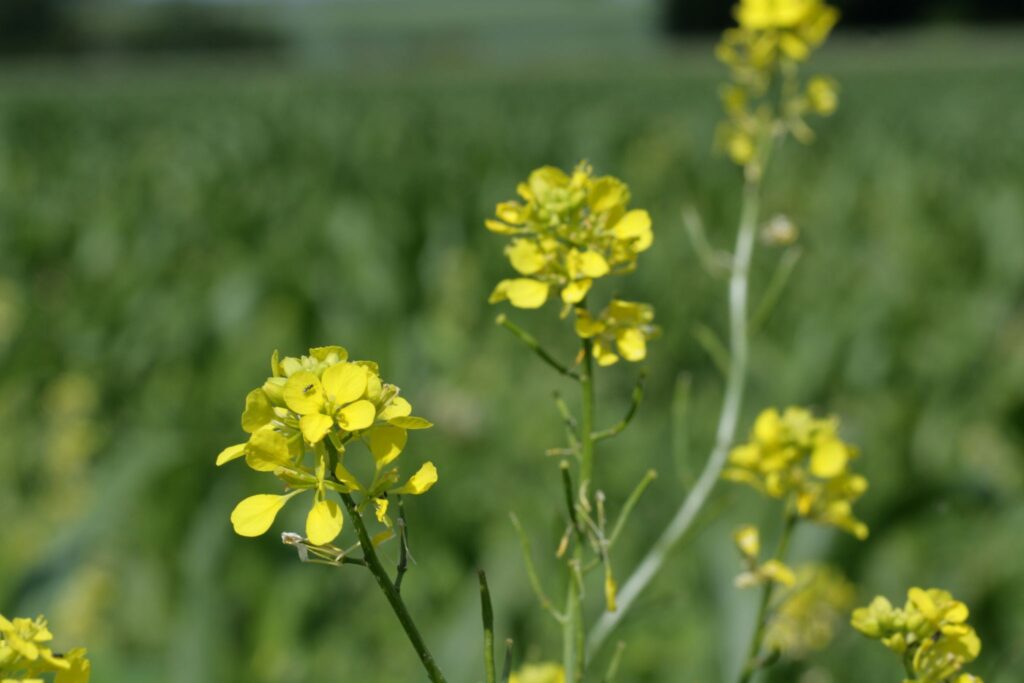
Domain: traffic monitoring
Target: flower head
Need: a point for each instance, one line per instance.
(25, 653)
(567, 231)
(766, 96)
(621, 329)
(809, 610)
(301, 422)
(930, 631)
(800, 458)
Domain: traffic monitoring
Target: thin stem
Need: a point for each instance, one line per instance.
(531, 571)
(638, 396)
(487, 613)
(570, 500)
(373, 563)
(535, 346)
(403, 547)
(725, 433)
(587, 418)
(506, 667)
(571, 654)
(630, 503)
(752, 662)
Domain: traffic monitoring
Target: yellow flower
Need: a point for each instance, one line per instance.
(800, 458)
(765, 97)
(301, 422)
(748, 541)
(930, 631)
(809, 611)
(621, 329)
(25, 654)
(569, 230)
(547, 672)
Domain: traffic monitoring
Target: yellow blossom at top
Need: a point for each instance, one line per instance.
(547, 672)
(567, 230)
(930, 632)
(766, 96)
(621, 329)
(800, 458)
(25, 654)
(301, 422)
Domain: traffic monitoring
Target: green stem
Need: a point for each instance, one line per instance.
(535, 346)
(694, 502)
(573, 639)
(752, 664)
(487, 612)
(373, 563)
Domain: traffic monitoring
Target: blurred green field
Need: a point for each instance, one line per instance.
(164, 227)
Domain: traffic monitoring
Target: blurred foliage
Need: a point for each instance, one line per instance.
(163, 229)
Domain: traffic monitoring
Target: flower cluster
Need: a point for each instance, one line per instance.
(930, 632)
(763, 53)
(800, 458)
(300, 425)
(568, 231)
(621, 329)
(547, 672)
(25, 655)
(809, 610)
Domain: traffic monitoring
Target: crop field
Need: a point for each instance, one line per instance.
(165, 226)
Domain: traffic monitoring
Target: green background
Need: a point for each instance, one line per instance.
(165, 225)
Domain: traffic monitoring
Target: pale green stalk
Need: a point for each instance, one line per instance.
(725, 432)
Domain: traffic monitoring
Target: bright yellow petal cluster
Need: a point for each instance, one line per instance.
(800, 458)
(567, 231)
(301, 421)
(809, 611)
(25, 654)
(766, 95)
(547, 672)
(930, 631)
(748, 542)
(621, 329)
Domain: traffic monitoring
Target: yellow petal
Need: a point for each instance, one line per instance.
(344, 382)
(324, 522)
(748, 540)
(231, 453)
(632, 344)
(78, 668)
(397, 407)
(258, 411)
(778, 572)
(603, 353)
(607, 193)
(635, 225)
(254, 515)
(346, 478)
(356, 416)
(829, 459)
(420, 482)
(315, 427)
(381, 505)
(592, 264)
(525, 256)
(267, 450)
(525, 292)
(575, 291)
(303, 393)
(586, 325)
(386, 443)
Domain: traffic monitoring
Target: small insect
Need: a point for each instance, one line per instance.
(308, 389)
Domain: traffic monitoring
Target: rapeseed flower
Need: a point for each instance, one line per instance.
(809, 610)
(621, 329)
(568, 230)
(547, 672)
(930, 632)
(801, 459)
(301, 422)
(766, 96)
(25, 654)
(748, 542)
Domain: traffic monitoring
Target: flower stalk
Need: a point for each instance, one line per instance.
(387, 587)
